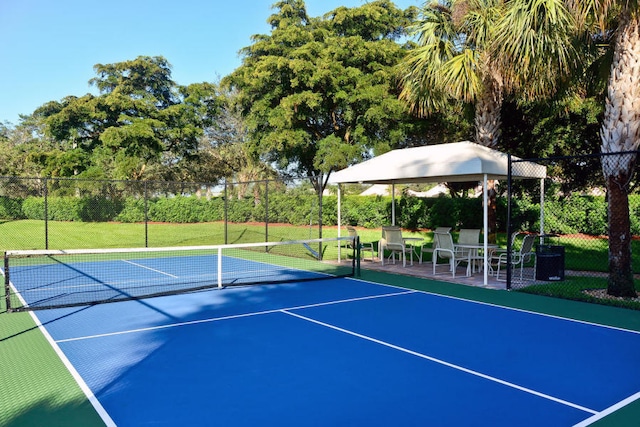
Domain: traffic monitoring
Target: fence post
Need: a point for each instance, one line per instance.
(46, 213)
(266, 210)
(509, 225)
(226, 207)
(146, 216)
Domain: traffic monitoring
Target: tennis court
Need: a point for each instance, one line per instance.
(338, 351)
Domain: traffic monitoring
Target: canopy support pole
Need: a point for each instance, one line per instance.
(541, 207)
(339, 221)
(485, 220)
(393, 204)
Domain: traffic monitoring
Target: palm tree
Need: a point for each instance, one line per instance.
(618, 21)
(454, 60)
(621, 132)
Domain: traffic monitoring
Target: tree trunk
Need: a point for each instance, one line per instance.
(488, 124)
(620, 272)
(621, 132)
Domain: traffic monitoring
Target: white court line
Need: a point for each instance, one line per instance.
(235, 316)
(505, 307)
(148, 268)
(106, 418)
(442, 362)
(610, 410)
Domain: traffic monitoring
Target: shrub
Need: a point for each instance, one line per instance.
(132, 211)
(183, 209)
(10, 208)
(33, 208)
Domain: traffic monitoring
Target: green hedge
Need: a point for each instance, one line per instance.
(564, 215)
(69, 208)
(11, 208)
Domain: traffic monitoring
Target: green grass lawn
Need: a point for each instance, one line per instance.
(582, 253)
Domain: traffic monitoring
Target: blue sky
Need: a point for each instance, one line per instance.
(48, 48)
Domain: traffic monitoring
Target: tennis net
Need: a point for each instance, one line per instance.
(39, 279)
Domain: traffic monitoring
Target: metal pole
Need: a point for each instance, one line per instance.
(485, 224)
(266, 210)
(7, 284)
(339, 221)
(46, 213)
(226, 218)
(146, 216)
(393, 204)
(509, 248)
(541, 206)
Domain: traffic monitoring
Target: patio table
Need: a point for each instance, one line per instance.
(472, 253)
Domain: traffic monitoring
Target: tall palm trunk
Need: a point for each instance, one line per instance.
(488, 125)
(621, 132)
(620, 269)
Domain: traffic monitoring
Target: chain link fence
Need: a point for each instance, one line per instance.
(65, 213)
(587, 244)
(573, 219)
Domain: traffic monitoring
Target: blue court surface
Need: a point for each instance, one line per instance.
(340, 352)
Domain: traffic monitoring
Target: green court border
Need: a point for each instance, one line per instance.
(37, 389)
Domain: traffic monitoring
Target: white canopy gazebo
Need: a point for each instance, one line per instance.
(455, 162)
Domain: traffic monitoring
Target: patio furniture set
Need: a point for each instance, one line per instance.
(467, 249)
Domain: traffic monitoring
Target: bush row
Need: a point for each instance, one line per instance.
(567, 215)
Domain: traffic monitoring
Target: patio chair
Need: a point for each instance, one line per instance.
(519, 258)
(468, 236)
(446, 250)
(424, 249)
(392, 241)
(364, 247)
(494, 254)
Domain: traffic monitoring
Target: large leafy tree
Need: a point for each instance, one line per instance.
(618, 23)
(319, 94)
(141, 123)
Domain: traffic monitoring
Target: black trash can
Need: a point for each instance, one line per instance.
(550, 263)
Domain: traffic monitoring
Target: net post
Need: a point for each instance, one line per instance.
(220, 268)
(7, 284)
(356, 257)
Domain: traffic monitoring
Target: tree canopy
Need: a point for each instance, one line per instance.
(141, 120)
(320, 93)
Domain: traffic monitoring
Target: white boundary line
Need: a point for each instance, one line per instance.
(610, 410)
(595, 417)
(76, 376)
(235, 316)
(148, 268)
(442, 362)
(521, 310)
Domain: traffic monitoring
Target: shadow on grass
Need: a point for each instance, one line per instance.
(51, 412)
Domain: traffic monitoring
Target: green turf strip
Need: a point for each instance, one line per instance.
(36, 388)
